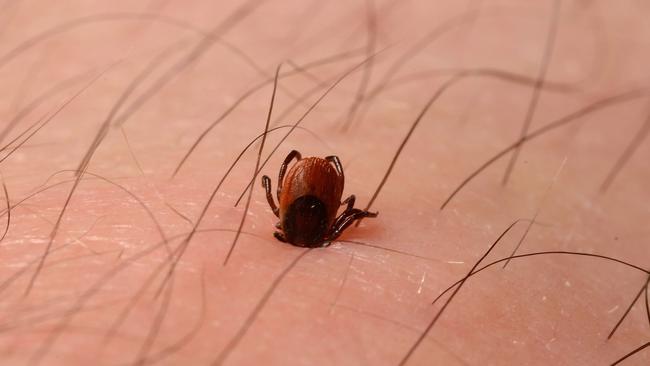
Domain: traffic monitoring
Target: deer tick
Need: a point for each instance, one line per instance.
(309, 198)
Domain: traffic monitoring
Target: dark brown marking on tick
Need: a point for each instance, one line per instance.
(309, 196)
(305, 221)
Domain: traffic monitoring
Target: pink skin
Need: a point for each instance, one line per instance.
(347, 304)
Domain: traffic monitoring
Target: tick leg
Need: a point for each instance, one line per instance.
(283, 169)
(278, 225)
(337, 164)
(350, 202)
(266, 183)
(278, 235)
(346, 219)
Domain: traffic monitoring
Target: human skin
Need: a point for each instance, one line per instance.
(366, 298)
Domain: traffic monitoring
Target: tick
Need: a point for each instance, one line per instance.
(309, 198)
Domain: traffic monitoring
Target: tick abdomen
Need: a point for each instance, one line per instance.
(312, 177)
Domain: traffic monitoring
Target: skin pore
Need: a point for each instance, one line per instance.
(463, 123)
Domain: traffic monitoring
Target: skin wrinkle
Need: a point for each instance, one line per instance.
(105, 298)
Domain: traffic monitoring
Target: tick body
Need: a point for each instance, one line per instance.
(310, 196)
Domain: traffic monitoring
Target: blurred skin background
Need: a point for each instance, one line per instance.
(120, 120)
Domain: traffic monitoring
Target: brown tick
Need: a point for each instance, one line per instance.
(310, 197)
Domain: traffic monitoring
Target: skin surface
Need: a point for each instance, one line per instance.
(350, 303)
